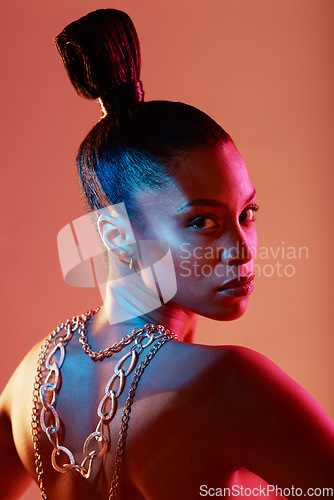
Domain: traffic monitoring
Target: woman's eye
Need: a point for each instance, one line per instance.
(248, 215)
(204, 223)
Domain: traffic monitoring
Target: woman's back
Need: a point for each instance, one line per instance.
(198, 416)
(166, 433)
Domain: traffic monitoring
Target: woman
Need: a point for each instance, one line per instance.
(202, 418)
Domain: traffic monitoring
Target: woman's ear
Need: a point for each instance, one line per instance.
(117, 236)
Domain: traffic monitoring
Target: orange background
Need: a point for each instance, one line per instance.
(263, 69)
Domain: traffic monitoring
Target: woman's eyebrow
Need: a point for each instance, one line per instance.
(210, 202)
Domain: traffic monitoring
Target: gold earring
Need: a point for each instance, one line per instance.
(131, 263)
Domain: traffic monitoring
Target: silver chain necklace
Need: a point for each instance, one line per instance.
(48, 391)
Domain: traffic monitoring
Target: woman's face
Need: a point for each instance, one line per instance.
(205, 213)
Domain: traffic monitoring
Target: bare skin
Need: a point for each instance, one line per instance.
(202, 415)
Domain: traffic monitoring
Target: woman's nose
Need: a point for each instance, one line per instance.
(241, 248)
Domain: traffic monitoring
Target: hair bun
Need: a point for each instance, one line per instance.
(101, 55)
(122, 97)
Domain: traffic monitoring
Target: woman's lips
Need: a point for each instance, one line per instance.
(239, 287)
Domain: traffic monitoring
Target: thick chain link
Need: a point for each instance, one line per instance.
(34, 417)
(126, 414)
(116, 347)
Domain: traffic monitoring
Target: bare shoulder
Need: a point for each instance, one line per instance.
(17, 398)
(264, 420)
(252, 373)
(15, 431)
(20, 380)
(228, 366)
(254, 386)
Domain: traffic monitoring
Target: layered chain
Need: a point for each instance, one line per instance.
(109, 351)
(48, 393)
(126, 414)
(34, 417)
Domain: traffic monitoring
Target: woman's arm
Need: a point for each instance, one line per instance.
(283, 435)
(14, 478)
(15, 428)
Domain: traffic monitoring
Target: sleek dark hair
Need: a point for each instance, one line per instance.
(134, 144)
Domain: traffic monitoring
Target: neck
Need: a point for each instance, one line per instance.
(129, 302)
